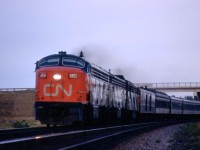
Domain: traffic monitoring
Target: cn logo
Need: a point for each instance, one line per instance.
(58, 86)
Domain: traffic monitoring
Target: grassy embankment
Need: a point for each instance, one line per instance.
(188, 138)
(17, 109)
(18, 123)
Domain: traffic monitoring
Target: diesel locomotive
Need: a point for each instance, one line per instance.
(70, 89)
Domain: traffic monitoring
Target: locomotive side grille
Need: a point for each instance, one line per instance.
(108, 78)
(98, 74)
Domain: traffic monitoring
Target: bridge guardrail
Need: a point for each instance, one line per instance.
(16, 89)
(171, 85)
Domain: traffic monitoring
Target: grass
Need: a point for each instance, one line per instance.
(19, 123)
(188, 138)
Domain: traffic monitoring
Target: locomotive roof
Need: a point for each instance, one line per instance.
(176, 98)
(63, 54)
(60, 56)
(161, 93)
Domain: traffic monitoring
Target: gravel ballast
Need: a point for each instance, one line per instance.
(159, 139)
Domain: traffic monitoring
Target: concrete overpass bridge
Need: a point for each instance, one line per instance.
(175, 87)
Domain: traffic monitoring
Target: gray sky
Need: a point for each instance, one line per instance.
(146, 40)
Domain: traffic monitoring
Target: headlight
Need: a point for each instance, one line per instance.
(57, 77)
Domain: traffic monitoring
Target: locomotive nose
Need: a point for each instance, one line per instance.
(61, 84)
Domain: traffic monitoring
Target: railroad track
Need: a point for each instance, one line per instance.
(98, 138)
(9, 134)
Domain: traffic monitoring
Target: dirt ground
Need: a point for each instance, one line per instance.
(16, 105)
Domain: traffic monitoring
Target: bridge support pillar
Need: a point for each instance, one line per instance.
(197, 95)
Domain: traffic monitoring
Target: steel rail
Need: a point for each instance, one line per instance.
(18, 133)
(8, 134)
(75, 139)
(90, 144)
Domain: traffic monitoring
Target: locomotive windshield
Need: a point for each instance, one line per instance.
(62, 60)
(49, 61)
(68, 61)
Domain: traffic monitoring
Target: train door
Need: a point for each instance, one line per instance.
(138, 100)
(146, 102)
(150, 103)
(170, 105)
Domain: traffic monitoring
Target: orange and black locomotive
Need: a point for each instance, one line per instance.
(69, 89)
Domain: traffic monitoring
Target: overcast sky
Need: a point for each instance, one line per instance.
(145, 40)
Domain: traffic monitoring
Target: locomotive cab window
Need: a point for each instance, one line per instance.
(49, 61)
(67, 61)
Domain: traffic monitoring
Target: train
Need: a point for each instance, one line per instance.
(70, 89)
